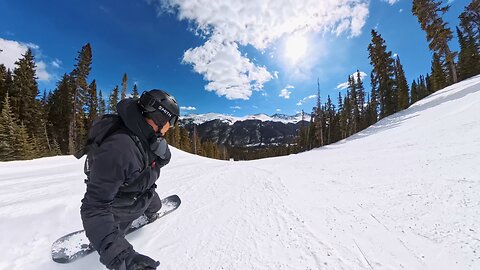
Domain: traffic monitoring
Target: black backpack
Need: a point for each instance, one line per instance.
(102, 127)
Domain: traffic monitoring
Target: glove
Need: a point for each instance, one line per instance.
(159, 147)
(137, 261)
(166, 159)
(161, 150)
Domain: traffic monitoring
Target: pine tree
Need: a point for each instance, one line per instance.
(360, 88)
(7, 131)
(354, 101)
(92, 103)
(185, 143)
(342, 122)
(317, 127)
(176, 135)
(382, 74)
(124, 86)
(438, 78)
(468, 58)
(470, 23)
(197, 143)
(401, 82)
(13, 93)
(79, 76)
(3, 88)
(60, 113)
(414, 95)
(302, 139)
(169, 138)
(374, 100)
(135, 91)
(41, 137)
(25, 92)
(101, 104)
(23, 144)
(55, 149)
(429, 14)
(113, 100)
(428, 85)
(329, 120)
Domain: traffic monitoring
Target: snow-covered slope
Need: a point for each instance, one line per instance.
(403, 194)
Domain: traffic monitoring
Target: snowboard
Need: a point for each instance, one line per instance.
(76, 245)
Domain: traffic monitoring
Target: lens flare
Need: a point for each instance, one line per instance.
(296, 48)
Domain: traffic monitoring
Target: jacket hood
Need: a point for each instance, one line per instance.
(133, 119)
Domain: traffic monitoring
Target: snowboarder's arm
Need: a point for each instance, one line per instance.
(165, 159)
(108, 172)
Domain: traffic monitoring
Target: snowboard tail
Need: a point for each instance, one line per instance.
(76, 245)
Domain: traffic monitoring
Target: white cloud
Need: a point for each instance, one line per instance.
(344, 85)
(189, 108)
(285, 93)
(42, 73)
(56, 63)
(391, 2)
(278, 110)
(302, 101)
(228, 72)
(275, 74)
(228, 24)
(13, 50)
(235, 107)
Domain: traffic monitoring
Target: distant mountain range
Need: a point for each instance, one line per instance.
(249, 131)
(202, 118)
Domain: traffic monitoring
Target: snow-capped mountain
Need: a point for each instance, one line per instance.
(401, 194)
(251, 130)
(199, 119)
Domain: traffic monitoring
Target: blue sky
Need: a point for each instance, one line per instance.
(253, 56)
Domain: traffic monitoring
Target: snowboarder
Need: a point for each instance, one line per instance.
(121, 175)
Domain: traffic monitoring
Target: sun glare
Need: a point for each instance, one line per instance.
(295, 48)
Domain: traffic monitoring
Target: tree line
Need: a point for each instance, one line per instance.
(57, 123)
(390, 92)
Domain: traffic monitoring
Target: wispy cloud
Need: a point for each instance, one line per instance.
(391, 2)
(56, 63)
(228, 24)
(285, 93)
(13, 50)
(188, 108)
(344, 85)
(302, 101)
(235, 107)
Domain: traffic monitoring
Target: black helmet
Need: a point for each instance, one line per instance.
(160, 106)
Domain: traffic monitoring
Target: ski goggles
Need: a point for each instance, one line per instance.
(152, 106)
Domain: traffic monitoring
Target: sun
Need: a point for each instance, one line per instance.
(295, 48)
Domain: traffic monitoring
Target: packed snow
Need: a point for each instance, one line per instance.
(402, 194)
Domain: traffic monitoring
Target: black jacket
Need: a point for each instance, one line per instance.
(121, 185)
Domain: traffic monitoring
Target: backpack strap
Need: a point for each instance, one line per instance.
(137, 141)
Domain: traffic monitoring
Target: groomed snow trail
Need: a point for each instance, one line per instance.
(402, 194)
